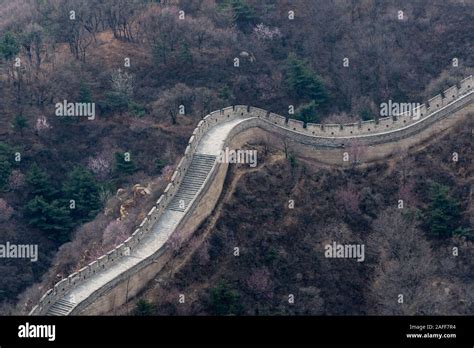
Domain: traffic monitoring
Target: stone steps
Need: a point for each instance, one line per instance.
(192, 182)
(61, 307)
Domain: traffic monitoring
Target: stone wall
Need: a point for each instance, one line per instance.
(315, 137)
(398, 130)
(387, 124)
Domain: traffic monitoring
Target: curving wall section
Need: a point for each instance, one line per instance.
(323, 136)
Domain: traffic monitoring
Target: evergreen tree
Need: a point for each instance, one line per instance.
(85, 93)
(9, 46)
(122, 91)
(443, 214)
(122, 166)
(6, 154)
(225, 93)
(292, 160)
(40, 182)
(185, 57)
(366, 115)
(19, 123)
(303, 82)
(144, 308)
(159, 165)
(225, 300)
(244, 16)
(136, 109)
(307, 113)
(116, 101)
(52, 218)
(160, 53)
(83, 189)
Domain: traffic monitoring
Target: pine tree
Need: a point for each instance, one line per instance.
(136, 109)
(19, 124)
(244, 16)
(160, 53)
(9, 46)
(122, 166)
(366, 114)
(303, 82)
(6, 154)
(159, 165)
(144, 308)
(122, 91)
(82, 188)
(307, 112)
(185, 56)
(85, 93)
(52, 218)
(224, 300)
(116, 102)
(443, 214)
(40, 182)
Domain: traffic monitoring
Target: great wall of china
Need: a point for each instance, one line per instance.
(196, 184)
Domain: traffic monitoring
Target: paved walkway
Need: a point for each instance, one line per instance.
(210, 144)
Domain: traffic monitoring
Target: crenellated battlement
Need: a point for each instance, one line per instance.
(372, 127)
(380, 131)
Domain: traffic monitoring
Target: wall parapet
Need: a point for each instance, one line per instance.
(374, 127)
(378, 132)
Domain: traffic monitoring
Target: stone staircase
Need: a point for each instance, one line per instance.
(213, 136)
(197, 173)
(61, 307)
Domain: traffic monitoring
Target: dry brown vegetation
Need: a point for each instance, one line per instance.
(282, 249)
(190, 62)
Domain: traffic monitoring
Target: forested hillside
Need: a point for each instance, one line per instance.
(153, 70)
(422, 249)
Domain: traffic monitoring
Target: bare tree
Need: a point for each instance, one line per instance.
(259, 281)
(405, 266)
(33, 42)
(349, 199)
(100, 166)
(16, 180)
(5, 210)
(122, 83)
(121, 16)
(115, 233)
(67, 25)
(170, 101)
(159, 28)
(357, 151)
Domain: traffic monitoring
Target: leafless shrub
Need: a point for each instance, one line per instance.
(357, 151)
(259, 281)
(349, 199)
(16, 180)
(266, 33)
(406, 193)
(405, 265)
(201, 255)
(114, 234)
(100, 166)
(42, 124)
(175, 241)
(5, 210)
(123, 83)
